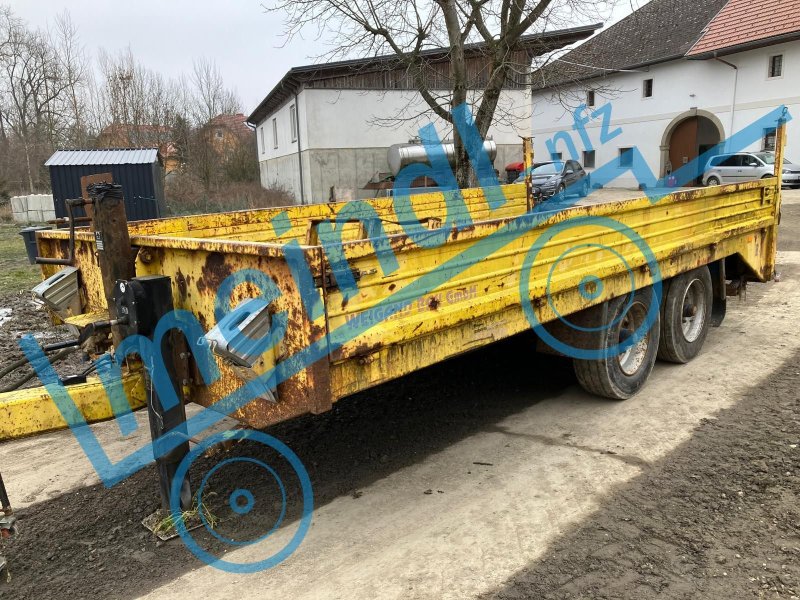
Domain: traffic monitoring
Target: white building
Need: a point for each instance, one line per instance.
(331, 124)
(676, 77)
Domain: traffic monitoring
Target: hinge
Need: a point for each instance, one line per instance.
(328, 281)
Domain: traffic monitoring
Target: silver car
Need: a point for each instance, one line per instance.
(747, 166)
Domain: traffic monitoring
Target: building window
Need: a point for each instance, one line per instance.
(776, 65)
(590, 98)
(647, 88)
(555, 155)
(626, 157)
(274, 133)
(261, 139)
(768, 142)
(588, 159)
(293, 121)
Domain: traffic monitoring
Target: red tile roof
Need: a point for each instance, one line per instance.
(746, 22)
(237, 123)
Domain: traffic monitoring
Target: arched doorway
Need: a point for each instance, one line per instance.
(686, 138)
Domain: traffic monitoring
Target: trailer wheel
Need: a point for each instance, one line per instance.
(620, 377)
(686, 315)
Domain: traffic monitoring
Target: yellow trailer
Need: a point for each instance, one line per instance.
(284, 311)
(399, 322)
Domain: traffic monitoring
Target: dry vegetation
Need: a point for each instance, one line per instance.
(187, 195)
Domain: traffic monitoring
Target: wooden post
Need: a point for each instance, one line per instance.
(113, 244)
(88, 180)
(527, 161)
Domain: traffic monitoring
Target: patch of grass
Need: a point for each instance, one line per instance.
(16, 274)
(166, 525)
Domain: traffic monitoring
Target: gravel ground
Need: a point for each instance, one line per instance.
(718, 518)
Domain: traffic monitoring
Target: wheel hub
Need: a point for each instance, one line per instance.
(634, 357)
(694, 310)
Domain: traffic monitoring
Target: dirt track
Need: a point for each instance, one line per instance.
(491, 475)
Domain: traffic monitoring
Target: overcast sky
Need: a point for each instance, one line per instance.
(166, 35)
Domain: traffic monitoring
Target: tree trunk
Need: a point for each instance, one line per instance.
(491, 95)
(28, 166)
(458, 73)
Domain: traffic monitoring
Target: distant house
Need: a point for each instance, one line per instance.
(680, 77)
(226, 132)
(119, 135)
(326, 125)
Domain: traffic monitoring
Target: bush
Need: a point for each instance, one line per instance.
(6, 216)
(186, 195)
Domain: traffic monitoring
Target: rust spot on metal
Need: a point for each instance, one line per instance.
(392, 286)
(215, 271)
(344, 303)
(180, 281)
(433, 304)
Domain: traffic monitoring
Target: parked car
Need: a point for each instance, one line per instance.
(747, 166)
(558, 178)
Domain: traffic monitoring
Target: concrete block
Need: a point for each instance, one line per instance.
(34, 216)
(48, 215)
(19, 204)
(40, 202)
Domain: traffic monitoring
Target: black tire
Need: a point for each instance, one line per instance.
(584, 191)
(712, 181)
(685, 315)
(561, 193)
(618, 377)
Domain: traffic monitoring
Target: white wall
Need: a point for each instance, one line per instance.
(344, 143)
(680, 86)
(349, 118)
(286, 145)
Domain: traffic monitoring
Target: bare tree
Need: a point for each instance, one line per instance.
(210, 96)
(75, 69)
(32, 82)
(53, 96)
(133, 105)
(407, 28)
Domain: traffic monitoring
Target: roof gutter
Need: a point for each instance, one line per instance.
(733, 99)
(299, 155)
(754, 45)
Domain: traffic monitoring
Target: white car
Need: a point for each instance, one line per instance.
(747, 166)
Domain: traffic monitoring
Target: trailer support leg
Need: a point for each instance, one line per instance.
(141, 303)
